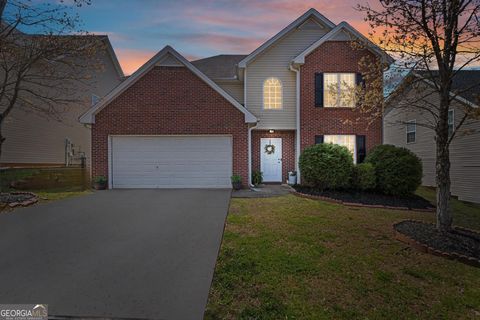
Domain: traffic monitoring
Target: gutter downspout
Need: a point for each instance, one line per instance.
(297, 120)
(250, 155)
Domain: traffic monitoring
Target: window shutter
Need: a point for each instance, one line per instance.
(359, 80)
(361, 149)
(319, 90)
(318, 139)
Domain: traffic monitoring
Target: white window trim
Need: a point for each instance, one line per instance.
(354, 144)
(339, 89)
(281, 94)
(414, 131)
(453, 120)
(92, 100)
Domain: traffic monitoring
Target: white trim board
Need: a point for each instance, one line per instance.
(300, 59)
(298, 22)
(89, 116)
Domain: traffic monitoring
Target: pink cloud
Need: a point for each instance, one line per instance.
(132, 59)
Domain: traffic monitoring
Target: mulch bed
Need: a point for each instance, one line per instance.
(459, 244)
(350, 197)
(15, 199)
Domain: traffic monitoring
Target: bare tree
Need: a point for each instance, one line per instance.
(44, 57)
(436, 38)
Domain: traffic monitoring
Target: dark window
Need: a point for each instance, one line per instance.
(411, 131)
(361, 149)
(319, 90)
(318, 139)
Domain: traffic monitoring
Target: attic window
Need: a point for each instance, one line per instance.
(272, 94)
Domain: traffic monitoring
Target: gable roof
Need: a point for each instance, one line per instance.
(299, 21)
(462, 80)
(222, 66)
(89, 116)
(343, 26)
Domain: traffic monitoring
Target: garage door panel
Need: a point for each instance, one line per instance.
(171, 162)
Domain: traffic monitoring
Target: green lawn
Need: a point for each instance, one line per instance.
(294, 258)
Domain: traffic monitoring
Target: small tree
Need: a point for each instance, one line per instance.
(428, 35)
(42, 71)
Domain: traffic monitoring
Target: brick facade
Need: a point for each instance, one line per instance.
(288, 149)
(169, 101)
(333, 56)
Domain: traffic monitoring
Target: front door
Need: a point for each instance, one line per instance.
(271, 159)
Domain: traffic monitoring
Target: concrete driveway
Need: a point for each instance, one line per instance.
(122, 253)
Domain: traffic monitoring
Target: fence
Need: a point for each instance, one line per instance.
(52, 179)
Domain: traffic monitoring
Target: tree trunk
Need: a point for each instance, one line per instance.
(444, 215)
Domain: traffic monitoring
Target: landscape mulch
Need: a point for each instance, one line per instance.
(460, 243)
(351, 197)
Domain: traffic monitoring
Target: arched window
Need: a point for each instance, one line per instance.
(272, 94)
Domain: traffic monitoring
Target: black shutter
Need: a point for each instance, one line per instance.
(361, 149)
(318, 139)
(319, 90)
(359, 80)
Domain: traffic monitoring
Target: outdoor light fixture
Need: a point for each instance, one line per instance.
(271, 131)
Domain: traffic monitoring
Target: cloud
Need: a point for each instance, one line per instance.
(132, 59)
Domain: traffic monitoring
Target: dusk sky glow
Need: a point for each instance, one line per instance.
(197, 29)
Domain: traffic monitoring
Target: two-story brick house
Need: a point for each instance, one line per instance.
(176, 123)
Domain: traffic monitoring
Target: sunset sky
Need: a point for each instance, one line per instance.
(201, 28)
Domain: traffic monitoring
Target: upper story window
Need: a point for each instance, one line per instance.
(339, 90)
(272, 94)
(411, 131)
(451, 122)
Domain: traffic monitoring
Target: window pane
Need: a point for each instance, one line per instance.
(410, 137)
(342, 140)
(272, 94)
(330, 89)
(451, 122)
(347, 90)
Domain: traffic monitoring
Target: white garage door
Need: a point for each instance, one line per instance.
(171, 161)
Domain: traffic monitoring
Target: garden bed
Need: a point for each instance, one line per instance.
(352, 197)
(459, 244)
(15, 199)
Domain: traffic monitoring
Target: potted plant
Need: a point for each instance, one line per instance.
(100, 183)
(292, 178)
(236, 182)
(257, 178)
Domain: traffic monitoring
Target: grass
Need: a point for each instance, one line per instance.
(295, 258)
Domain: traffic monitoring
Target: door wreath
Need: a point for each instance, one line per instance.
(269, 149)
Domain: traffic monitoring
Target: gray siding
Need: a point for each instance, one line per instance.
(234, 88)
(33, 138)
(274, 62)
(464, 151)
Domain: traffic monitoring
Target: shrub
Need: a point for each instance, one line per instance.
(398, 170)
(326, 166)
(364, 177)
(100, 180)
(236, 178)
(257, 178)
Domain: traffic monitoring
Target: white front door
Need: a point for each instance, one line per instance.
(271, 159)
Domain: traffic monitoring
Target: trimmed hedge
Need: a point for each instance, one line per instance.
(398, 170)
(326, 166)
(364, 177)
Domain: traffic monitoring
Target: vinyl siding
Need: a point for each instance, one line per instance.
(235, 89)
(33, 138)
(464, 151)
(274, 62)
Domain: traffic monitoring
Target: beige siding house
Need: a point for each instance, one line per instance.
(464, 151)
(33, 139)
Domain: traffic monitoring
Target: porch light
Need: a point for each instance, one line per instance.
(271, 131)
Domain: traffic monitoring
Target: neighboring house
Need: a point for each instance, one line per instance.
(176, 123)
(34, 139)
(402, 127)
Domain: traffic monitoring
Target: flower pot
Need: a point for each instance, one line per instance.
(237, 185)
(99, 186)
